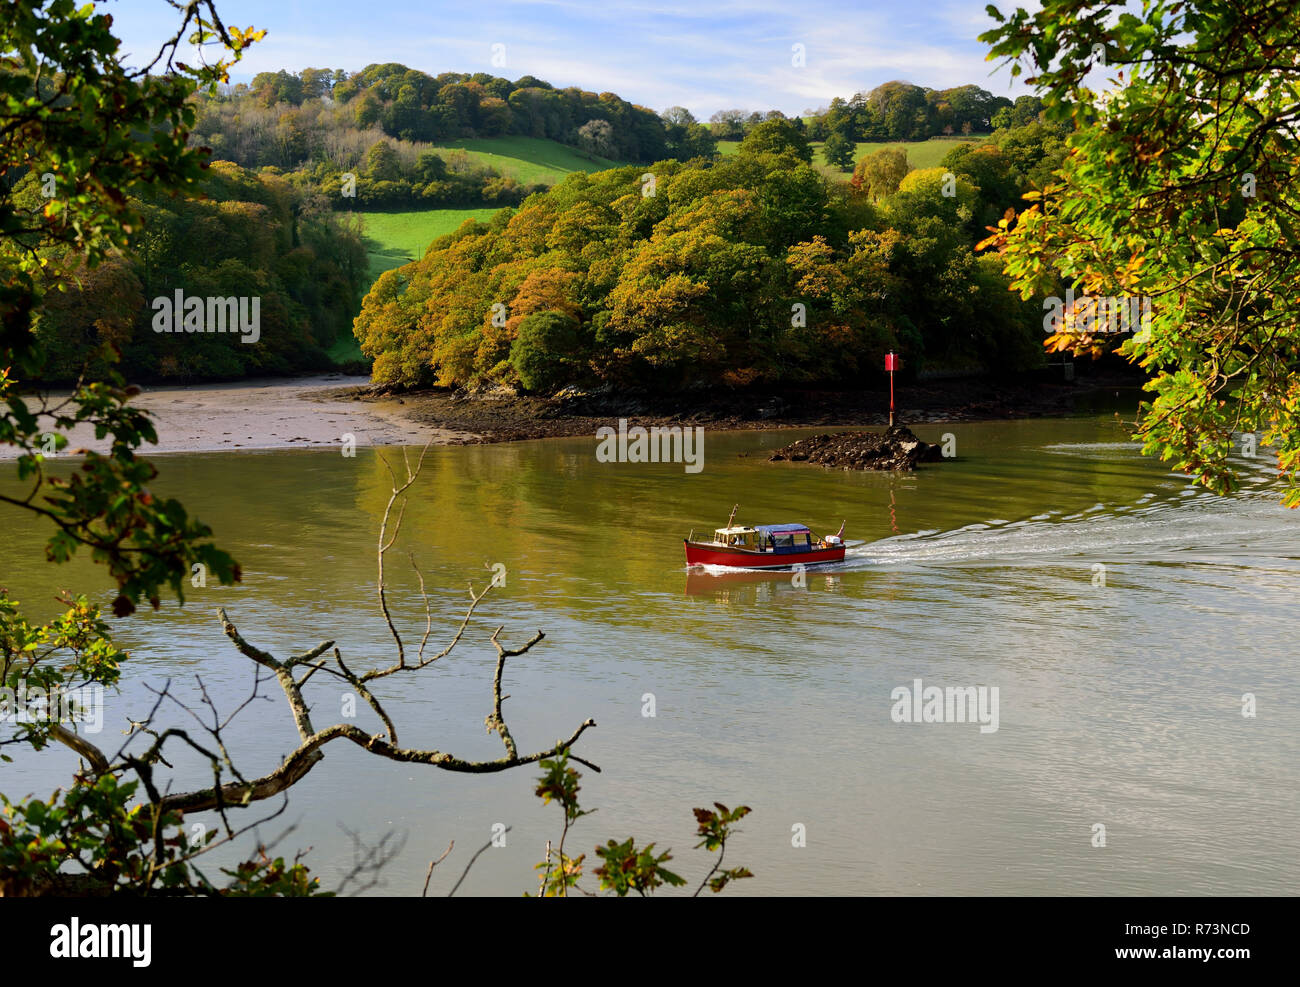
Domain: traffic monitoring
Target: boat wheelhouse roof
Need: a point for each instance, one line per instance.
(781, 529)
(737, 530)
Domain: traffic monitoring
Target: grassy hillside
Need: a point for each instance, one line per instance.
(920, 154)
(529, 159)
(396, 238)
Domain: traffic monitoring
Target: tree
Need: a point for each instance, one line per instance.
(838, 152)
(902, 109)
(597, 137)
(316, 83)
(278, 87)
(430, 167)
(879, 174)
(693, 281)
(999, 181)
(685, 137)
(728, 125)
(543, 349)
(382, 163)
(1181, 185)
(1025, 110)
(777, 137)
(73, 111)
(699, 142)
(677, 116)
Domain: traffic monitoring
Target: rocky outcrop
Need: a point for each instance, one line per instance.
(893, 449)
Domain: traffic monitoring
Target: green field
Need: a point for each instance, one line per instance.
(396, 238)
(920, 154)
(529, 159)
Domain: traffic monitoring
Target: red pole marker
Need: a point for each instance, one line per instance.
(891, 364)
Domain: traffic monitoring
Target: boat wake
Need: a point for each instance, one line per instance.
(1154, 528)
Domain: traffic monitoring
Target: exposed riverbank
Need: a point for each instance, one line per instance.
(315, 412)
(501, 416)
(283, 413)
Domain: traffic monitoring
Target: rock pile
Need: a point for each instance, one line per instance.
(893, 449)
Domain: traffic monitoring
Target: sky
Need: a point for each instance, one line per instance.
(706, 56)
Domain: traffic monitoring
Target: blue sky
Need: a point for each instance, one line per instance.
(658, 53)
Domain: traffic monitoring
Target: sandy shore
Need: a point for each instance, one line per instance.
(286, 413)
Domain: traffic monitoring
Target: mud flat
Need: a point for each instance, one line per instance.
(294, 413)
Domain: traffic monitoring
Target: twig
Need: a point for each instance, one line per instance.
(471, 864)
(432, 865)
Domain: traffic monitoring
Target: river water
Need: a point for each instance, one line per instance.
(1121, 613)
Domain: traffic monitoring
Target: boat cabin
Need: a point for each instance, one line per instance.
(737, 537)
(766, 538)
(784, 537)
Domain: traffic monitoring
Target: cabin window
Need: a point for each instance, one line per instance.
(790, 541)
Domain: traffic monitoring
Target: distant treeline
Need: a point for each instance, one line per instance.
(250, 236)
(380, 126)
(895, 111)
(748, 269)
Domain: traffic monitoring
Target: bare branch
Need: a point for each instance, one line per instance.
(471, 864)
(432, 865)
(302, 760)
(82, 746)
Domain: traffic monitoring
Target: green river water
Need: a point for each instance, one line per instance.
(1120, 705)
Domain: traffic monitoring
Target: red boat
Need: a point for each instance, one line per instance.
(765, 546)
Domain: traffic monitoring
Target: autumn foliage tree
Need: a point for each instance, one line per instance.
(880, 173)
(1180, 184)
(752, 269)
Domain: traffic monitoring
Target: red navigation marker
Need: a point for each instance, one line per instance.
(891, 364)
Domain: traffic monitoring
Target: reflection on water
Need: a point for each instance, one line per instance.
(1120, 696)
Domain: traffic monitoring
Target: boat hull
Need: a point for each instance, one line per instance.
(698, 553)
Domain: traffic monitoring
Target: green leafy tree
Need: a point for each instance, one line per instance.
(382, 163)
(880, 173)
(1181, 185)
(777, 137)
(544, 350)
(728, 125)
(838, 151)
(694, 282)
(71, 110)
